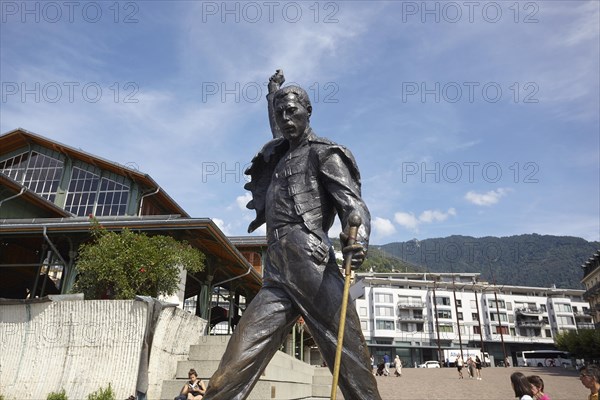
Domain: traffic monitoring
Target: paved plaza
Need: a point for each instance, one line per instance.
(443, 384)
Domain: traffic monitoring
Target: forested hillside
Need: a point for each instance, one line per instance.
(525, 260)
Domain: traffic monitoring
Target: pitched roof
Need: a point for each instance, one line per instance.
(18, 138)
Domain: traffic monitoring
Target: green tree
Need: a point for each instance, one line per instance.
(584, 343)
(123, 265)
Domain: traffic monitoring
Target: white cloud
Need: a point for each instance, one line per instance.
(486, 199)
(222, 226)
(409, 221)
(243, 200)
(382, 227)
(435, 215)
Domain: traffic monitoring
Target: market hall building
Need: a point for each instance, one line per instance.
(48, 190)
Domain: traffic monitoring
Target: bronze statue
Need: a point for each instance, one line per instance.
(299, 183)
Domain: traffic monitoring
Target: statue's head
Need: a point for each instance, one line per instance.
(292, 113)
(300, 93)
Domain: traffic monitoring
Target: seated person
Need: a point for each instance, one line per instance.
(193, 389)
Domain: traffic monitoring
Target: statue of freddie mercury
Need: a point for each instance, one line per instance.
(299, 183)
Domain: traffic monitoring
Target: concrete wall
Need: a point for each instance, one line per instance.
(175, 332)
(84, 345)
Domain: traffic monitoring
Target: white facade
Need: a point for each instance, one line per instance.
(417, 314)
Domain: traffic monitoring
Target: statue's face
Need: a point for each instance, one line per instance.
(291, 117)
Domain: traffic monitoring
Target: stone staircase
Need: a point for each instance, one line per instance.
(285, 378)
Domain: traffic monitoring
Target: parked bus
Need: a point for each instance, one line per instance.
(544, 358)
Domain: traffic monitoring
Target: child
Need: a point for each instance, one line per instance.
(537, 386)
(521, 386)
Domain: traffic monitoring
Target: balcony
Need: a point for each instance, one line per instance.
(412, 304)
(592, 292)
(584, 313)
(586, 325)
(528, 311)
(531, 323)
(407, 318)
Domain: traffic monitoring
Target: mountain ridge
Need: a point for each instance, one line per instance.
(520, 260)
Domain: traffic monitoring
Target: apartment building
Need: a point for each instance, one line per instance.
(591, 281)
(419, 315)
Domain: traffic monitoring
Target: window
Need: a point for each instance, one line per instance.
(458, 303)
(444, 314)
(112, 198)
(82, 192)
(385, 325)
(442, 301)
(418, 314)
(364, 325)
(459, 316)
(512, 331)
(559, 307)
(384, 298)
(362, 311)
(476, 330)
(503, 317)
(39, 173)
(501, 304)
(509, 306)
(382, 311)
(548, 333)
(410, 327)
(475, 316)
(543, 308)
(565, 320)
(446, 328)
(503, 329)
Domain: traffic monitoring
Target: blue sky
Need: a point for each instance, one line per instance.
(471, 118)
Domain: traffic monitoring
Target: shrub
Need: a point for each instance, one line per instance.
(62, 395)
(102, 394)
(123, 265)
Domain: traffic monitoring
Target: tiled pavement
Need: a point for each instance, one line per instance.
(443, 384)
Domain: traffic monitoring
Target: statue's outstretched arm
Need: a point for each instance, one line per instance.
(275, 82)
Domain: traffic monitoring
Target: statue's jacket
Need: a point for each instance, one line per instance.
(322, 180)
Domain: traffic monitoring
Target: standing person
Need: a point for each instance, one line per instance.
(299, 183)
(537, 387)
(398, 365)
(521, 386)
(386, 363)
(478, 367)
(471, 367)
(459, 366)
(373, 366)
(590, 378)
